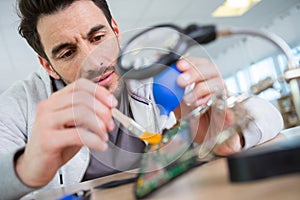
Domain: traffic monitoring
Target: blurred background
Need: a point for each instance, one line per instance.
(248, 64)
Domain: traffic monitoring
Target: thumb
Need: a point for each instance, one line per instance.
(230, 146)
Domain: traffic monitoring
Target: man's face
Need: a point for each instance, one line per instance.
(79, 42)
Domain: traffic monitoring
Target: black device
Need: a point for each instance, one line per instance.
(267, 161)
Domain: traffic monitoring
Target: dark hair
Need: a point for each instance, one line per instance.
(31, 10)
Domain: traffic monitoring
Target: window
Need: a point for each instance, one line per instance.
(231, 85)
(262, 70)
(242, 80)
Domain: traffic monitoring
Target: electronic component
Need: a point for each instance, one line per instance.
(267, 161)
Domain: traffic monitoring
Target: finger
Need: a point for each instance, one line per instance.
(79, 117)
(79, 137)
(202, 101)
(65, 95)
(99, 92)
(195, 70)
(83, 101)
(64, 100)
(230, 146)
(97, 108)
(202, 90)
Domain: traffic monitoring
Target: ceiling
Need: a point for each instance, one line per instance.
(18, 60)
(131, 14)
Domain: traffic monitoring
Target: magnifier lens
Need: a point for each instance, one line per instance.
(149, 47)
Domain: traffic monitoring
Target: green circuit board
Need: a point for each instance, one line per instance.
(165, 161)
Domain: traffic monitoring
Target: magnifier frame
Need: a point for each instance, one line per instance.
(179, 49)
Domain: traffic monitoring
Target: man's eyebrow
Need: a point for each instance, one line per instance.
(94, 29)
(59, 47)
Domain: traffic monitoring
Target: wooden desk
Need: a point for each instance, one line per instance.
(209, 181)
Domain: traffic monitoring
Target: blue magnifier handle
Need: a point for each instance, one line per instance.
(167, 93)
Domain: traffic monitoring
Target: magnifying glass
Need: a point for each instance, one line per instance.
(156, 48)
(154, 53)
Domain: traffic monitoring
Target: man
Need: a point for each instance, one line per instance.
(52, 123)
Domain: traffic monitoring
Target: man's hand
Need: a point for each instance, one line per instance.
(77, 115)
(207, 81)
(230, 146)
(206, 77)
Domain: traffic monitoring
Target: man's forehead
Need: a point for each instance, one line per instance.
(79, 11)
(79, 18)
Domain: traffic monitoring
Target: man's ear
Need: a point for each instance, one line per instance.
(48, 67)
(115, 28)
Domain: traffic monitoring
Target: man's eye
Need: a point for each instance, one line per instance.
(67, 54)
(97, 38)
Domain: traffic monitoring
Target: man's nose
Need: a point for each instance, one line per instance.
(91, 58)
(87, 53)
